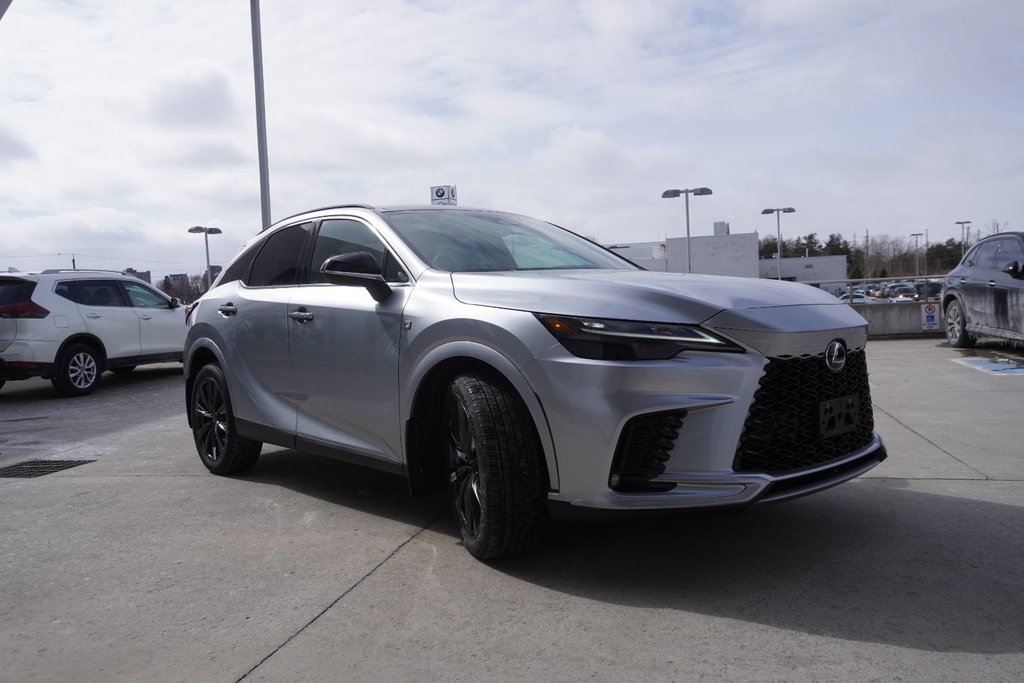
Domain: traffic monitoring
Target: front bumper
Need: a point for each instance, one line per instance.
(707, 429)
(735, 489)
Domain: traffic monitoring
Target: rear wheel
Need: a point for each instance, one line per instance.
(78, 370)
(956, 327)
(217, 441)
(498, 479)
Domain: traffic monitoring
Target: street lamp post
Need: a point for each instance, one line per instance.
(672, 194)
(917, 255)
(778, 229)
(963, 225)
(195, 229)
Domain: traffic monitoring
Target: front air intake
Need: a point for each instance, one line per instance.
(643, 449)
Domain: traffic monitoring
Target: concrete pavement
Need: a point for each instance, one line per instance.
(143, 566)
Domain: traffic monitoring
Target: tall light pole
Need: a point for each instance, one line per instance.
(963, 225)
(206, 238)
(778, 229)
(672, 194)
(917, 257)
(261, 112)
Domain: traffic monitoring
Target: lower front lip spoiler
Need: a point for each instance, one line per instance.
(737, 489)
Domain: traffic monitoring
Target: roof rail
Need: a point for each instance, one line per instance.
(51, 271)
(323, 208)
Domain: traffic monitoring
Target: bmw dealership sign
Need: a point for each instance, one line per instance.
(443, 194)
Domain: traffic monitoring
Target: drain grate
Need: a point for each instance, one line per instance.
(38, 468)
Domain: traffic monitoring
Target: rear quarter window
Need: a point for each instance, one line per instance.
(14, 291)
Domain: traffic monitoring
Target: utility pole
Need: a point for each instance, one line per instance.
(926, 256)
(867, 246)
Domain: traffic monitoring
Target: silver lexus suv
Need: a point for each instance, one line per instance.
(513, 362)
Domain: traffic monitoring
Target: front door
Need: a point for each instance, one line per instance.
(344, 349)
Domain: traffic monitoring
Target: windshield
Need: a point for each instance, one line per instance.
(480, 241)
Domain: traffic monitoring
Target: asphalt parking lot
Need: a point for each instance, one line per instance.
(141, 566)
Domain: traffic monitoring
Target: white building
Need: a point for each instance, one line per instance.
(712, 254)
(807, 269)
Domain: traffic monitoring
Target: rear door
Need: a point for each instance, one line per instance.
(974, 283)
(109, 317)
(161, 326)
(254, 325)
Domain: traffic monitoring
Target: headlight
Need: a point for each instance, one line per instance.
(627, 340)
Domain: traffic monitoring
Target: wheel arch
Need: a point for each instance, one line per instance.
(425, 464)
(83, 338)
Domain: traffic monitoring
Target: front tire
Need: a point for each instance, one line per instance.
(956, 327)
(78, 371)
(497, 476)
(217, 441)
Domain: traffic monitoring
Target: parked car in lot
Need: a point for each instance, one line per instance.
(69, 326)
(984, 295)
(857, 299)
(513, 362)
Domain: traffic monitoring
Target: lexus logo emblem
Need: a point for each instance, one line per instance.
(835, 355)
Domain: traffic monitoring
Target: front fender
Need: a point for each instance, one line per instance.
(501, 364)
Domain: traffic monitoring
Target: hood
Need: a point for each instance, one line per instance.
(635, 294)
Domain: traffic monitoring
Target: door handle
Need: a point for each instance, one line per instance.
(963, 281)
(991, 283)
(92, 315)
(146, 317)
(300, 315)
(227, 309)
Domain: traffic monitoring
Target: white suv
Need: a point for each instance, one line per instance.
(69, 326)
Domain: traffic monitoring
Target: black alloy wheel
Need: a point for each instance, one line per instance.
(219, 446)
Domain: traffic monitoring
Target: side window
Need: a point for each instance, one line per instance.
(341, 236)
(277, 263)
(99, 293)
(985, 256)
(1010, 251)
(143, 297)
(67, 290)
(239, 267)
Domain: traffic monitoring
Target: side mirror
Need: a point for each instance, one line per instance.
(358, 269)
(175, 302)
(1013, 270)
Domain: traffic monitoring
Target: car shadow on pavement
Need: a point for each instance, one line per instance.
(869, 562)
(340, 483)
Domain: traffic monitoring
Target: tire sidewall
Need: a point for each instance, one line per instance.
(964, 340)
(460, 391)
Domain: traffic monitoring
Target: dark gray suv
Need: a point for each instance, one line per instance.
(984, 295)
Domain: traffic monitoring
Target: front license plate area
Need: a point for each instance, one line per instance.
(838, 415)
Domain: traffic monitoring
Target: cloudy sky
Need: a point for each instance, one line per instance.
(124, 123)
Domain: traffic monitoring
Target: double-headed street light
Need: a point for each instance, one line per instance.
(963, 225)
(778, 228)
(206, 238)
(672, 194)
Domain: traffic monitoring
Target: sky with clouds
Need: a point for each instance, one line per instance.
(124, 123)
